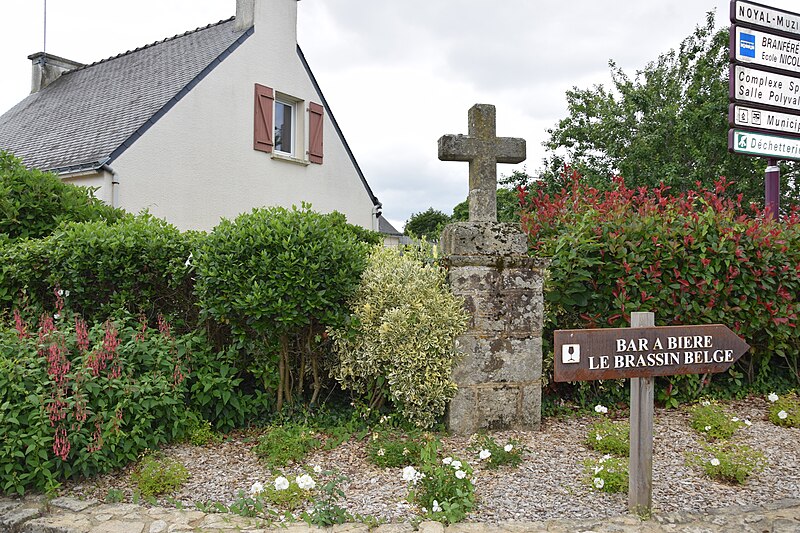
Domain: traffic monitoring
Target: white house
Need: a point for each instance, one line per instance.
(203, 125)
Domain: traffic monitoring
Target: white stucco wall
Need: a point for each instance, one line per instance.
(197, 163)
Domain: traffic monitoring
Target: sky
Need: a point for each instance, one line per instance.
(399, 74)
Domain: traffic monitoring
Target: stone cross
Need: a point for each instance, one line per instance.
(483, 149)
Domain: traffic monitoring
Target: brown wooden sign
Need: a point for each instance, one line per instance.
(615, 353)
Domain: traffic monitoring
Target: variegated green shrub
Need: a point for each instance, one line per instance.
(399, 345)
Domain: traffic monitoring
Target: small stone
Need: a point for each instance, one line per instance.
(159, 526)
(430, 527)
(103, 517)
(72, 504)
(17, 517)
(118, 526)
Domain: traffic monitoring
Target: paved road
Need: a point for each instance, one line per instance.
(68, 515)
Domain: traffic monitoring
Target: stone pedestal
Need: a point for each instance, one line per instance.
(499, 377)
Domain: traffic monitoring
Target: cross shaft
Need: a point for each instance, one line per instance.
(483, 149)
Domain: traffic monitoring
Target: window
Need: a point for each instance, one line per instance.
(284, 130)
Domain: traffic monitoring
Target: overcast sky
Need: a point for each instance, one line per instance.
(398, 74)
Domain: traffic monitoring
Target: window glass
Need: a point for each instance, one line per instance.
(283, 127)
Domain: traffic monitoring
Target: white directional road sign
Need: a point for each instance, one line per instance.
(762, 87)
(765, 49)
(760, 144)
(751, 117)
(765, 17)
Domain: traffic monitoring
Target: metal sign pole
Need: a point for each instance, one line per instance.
(640, 468)
(772, 189)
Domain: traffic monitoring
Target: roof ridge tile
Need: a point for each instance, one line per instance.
(150, 45)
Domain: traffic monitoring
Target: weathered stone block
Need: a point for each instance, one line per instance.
(500, 360)
(498, 407)
(483, 238)
(521, 278)
(531, 408)
(470, 279)
(460, 415)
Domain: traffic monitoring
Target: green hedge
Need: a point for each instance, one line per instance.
(34, 203)
(137, 265)
(695, 258)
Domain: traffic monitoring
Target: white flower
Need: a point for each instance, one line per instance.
(257, 488)
(485, 454)
(460, 474)
(455, 464)
(305, 482)
(381, 452)
(66, 293)
(436, 508)
(188, 262)
(317, 469)
(714, 461)
(409, 473)
(447, 460)
(599, 483)
(783, 415)
(281, 483)
(57, 316)
(598, 469)
(735, 419)
(707, 428)
(599, 437)
(747, 423)
(772, 397)
(600, 409)
(508, 447)
(705, 403)
(61, 292)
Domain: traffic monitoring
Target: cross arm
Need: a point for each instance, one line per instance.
(457, 148)
(509, 150)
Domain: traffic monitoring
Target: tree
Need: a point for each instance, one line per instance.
(667, 124)
(428, 224)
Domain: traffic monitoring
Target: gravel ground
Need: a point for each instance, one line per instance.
(548, 483)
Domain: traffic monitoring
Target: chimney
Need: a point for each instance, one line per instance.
(47, 68)
(245, 14)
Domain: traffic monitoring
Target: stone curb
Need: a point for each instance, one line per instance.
(70, 515)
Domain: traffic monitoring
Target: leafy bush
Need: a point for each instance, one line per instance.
(610, 436)
(694, 258)
(279, 276)
(391, 449)
(731, 463)
(607, 474)
(201, 434)
(159, 475)
(136, 265)
(399, 345)
(713, 422)
(443, 489)
(281, 445)
(493, 455)
(78, 400)
(785, 411)
(34, 203)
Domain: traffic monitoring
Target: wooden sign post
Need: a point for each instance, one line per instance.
(642, 352)
(640, 466)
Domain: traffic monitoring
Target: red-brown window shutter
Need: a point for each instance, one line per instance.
(315, 114)
(262, 138)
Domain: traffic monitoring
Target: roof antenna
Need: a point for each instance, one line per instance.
(44, 33)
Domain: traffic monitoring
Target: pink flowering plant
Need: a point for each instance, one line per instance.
(79, 399)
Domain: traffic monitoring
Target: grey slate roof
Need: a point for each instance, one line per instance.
(89, 115)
